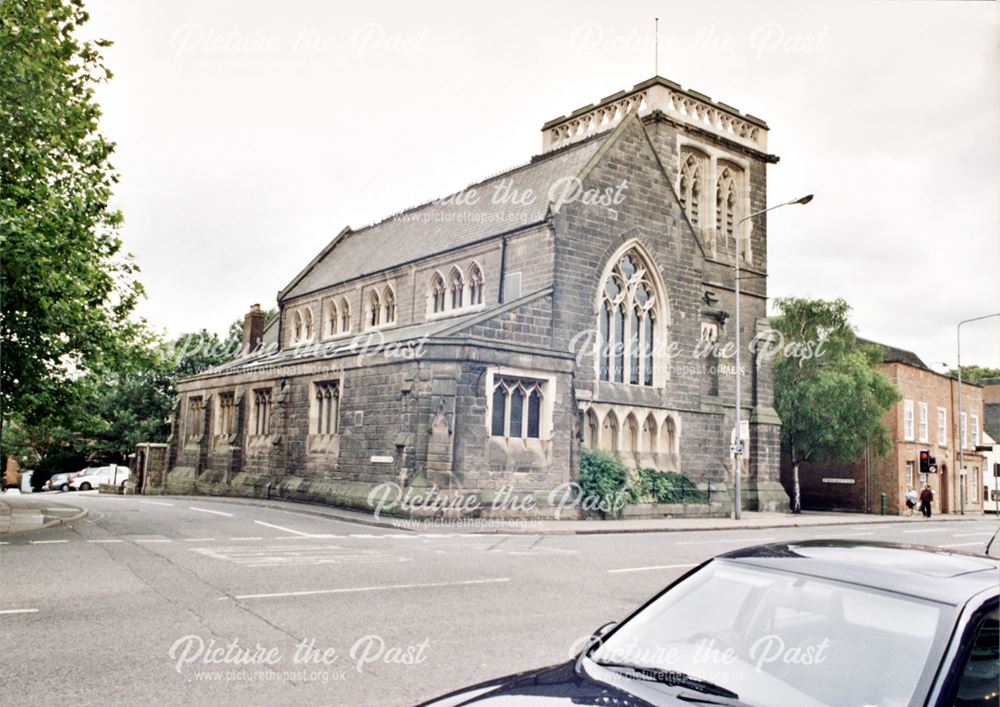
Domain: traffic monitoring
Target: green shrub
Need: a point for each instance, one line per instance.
(651, 486)
(602, 482)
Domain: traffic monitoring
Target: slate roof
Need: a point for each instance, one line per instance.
(890, 354)
(441, 225)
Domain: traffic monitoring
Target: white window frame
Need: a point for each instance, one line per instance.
(546, 409)
(909, 474)
(922, 422)
(973, 479)
(975, 431)
(942, 435)
(963, 434)
(908, 434)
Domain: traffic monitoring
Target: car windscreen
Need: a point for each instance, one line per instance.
(781, 638)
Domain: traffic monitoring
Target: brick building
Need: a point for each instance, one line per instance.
(925, 419)
(481, 340)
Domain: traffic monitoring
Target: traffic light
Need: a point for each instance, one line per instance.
(925, 461)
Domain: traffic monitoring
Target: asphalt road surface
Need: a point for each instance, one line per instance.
(206, 601)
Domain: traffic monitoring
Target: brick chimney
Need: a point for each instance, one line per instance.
(253, 329)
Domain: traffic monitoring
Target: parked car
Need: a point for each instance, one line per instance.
(807, 623)
(59, 482)
(93, 477)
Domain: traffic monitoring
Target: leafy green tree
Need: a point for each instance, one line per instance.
(828, 390)
(66, 289)
(974, 374)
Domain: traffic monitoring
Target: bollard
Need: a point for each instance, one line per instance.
(883, 503)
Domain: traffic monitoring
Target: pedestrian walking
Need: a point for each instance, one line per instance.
(926, 498)
(911, 500)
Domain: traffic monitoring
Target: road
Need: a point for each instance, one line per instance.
(196, 600)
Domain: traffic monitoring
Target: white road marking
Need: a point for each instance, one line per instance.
(308, 537)
(283, 529)
(253, 538)
(651, 567)
(928, 530)
(756, 541)
(5, 543)
(363, 535)
(198, 540)
(157, 503)
(386, 587)
(206, 510)
(977, 544)
(105, 541)
(62, 509)
(48, 542)
(18, 611)
(973, 535)
(152, 540)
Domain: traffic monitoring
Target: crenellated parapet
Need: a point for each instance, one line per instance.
(657, 94)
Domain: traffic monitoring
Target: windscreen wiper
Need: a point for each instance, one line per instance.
(673, 678)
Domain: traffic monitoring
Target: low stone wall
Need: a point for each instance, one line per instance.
(354, 495)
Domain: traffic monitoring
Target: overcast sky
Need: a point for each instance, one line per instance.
(250, 133)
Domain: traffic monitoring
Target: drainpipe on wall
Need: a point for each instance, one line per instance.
(503, 260)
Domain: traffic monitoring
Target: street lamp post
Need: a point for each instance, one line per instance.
(961, 437)
(738, 446)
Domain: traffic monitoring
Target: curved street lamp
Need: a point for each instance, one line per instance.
(738, 447)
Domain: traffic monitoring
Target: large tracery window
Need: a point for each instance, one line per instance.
(627, 323)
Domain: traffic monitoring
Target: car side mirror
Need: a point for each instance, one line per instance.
(603, 630)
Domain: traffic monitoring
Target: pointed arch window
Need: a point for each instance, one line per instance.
(374, 310)
(457, 289)
(726, 207)
(691, 186)
(438, 293)
(627, 323)
(308, 321)
(389, 305)
(297, 326)
(332, 319)
(345, 316)
(475, 285)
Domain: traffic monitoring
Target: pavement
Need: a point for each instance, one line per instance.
(23, 512)
(26, 512)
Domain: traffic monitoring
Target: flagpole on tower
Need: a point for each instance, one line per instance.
(656, 48)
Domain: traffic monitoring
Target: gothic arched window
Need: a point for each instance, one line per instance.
(437, 293)
(726, 200)
(345, 316)
(308, 319)
(626, 322)
(332, 320)
(457, 287)
(297, 326)
(692, 185)
(389, 305)
(374, 310)
(475, 285)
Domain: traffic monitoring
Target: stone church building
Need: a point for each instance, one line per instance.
(482, 340)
